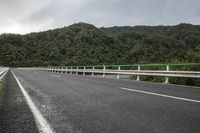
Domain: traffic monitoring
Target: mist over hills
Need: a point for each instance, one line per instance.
(85, 44)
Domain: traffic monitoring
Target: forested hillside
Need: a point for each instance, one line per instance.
(83, 44)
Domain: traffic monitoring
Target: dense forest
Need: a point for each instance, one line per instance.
(83, 44)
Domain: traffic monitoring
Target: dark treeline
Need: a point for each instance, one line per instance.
(83, 44)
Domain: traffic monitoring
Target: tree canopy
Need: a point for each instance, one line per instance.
(85, 44)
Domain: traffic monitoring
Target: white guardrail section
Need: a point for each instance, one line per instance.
(3, 72)
(108, 69)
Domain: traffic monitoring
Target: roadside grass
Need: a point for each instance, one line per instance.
(1, 93)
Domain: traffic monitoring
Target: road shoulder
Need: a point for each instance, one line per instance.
(15, 115)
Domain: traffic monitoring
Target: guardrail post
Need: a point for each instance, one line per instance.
(71, 71)
(62, 71)
(93, 72)
(59, 69)
(138, 76)
(76, 70)
(167, 78)
(66, 71)
(84, 71)
(118, 75)
(104, 68)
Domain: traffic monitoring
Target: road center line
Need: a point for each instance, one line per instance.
(42, 124)
(161, 95)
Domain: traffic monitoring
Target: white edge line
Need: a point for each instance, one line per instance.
(161, 95)
(42, 124)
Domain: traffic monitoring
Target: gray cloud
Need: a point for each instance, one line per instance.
(22, 16)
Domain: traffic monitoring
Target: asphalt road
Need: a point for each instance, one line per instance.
(84, 104)
(15, 115)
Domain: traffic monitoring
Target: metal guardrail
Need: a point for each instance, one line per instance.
(3, 72)
(134, 69)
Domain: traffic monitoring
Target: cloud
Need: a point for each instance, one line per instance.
(22, 16)
(13, 11)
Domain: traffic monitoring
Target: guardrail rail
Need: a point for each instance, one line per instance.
(3, 72)
(134, 69)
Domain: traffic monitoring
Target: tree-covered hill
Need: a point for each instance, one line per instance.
(83, 44)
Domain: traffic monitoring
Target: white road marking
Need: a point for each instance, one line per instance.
(53, 75)
(3, 75)
(161, 95)
(42, 124)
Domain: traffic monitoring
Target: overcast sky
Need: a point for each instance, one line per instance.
(24, 16)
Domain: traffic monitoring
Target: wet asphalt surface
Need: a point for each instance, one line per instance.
(84, 104)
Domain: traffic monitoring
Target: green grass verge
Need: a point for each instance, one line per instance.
(2, 92)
